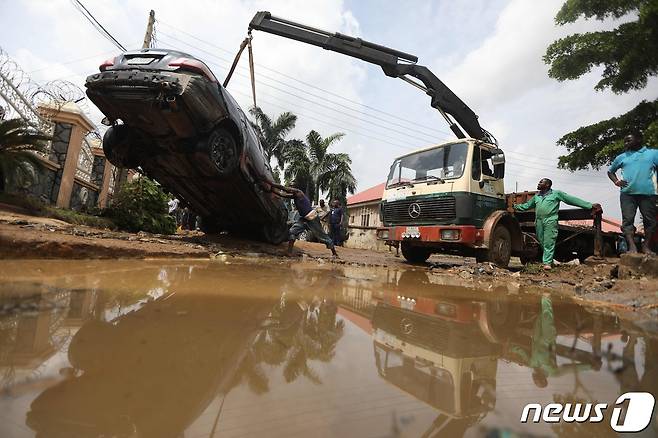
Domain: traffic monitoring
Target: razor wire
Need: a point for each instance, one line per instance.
(23, 97)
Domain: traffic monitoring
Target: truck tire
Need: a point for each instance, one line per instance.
(415, 254)
(500, 248)
(223, 149)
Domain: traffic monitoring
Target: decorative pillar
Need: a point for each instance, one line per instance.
(69, 116)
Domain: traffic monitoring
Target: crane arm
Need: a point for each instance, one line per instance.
(393, 62)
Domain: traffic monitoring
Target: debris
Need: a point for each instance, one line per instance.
(574, 262)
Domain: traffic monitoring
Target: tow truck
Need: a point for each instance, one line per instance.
(449, 197)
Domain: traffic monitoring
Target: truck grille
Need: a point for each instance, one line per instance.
(428, 332)
(398, 212)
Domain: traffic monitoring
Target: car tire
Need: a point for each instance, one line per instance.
(415, 254)
(122, 146)
(209, 225)
(223, 149)
(275, 233)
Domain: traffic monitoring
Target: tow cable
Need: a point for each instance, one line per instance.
(246, 43)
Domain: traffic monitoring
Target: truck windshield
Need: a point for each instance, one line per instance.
(441, 163)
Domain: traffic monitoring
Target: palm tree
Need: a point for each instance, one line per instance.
(18, 142)
(310, 163)
(273, 134)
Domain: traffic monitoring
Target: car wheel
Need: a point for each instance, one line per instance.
(275, 234)
(209, 225)
(223, 151)
(122, 146)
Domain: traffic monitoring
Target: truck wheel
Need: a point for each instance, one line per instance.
(223, 150)
(415, 254)
(121, 146)
(500, 249)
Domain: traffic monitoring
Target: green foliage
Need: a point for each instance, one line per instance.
(273, 134)
(141, 205)
(77, 218)
(317, 169)
(18, 143)
(628, 55)
(598, 144)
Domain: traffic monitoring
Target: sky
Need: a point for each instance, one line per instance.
(487, 51)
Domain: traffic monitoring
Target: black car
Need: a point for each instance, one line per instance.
(172, 118)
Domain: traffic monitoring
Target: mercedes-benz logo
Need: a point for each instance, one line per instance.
(406, 326)
(414, 210)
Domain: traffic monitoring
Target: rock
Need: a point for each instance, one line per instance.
(516, 274)
(607, 284)
(574, 262)
(19, 222)
(637, 265)
(465, 275)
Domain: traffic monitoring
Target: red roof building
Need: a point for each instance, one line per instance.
(369, 195)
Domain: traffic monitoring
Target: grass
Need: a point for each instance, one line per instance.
(532, 268)
(37, 208)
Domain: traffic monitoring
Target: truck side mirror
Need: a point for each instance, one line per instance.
(498, 158)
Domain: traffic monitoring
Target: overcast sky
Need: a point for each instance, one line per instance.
(487, 51)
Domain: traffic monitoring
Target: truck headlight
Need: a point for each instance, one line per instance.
(383, 234)
(450, 234)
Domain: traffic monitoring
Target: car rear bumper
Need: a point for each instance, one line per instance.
(157, 102)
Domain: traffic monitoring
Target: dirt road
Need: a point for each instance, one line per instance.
(28, 237)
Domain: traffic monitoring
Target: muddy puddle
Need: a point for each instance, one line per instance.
(209, 349)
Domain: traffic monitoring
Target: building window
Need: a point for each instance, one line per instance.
(365, 220)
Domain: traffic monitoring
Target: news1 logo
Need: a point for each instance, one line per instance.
(639, 410)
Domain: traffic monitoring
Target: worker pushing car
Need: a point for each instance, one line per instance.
(308, 216)
(547, 204)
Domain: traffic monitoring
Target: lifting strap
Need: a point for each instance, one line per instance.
(246, 43)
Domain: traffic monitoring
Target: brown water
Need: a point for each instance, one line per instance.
(198, 348)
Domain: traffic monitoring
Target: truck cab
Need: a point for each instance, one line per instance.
(440, 198)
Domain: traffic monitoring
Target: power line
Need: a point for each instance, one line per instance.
(74, 61)
(306, 83)
(99, 27)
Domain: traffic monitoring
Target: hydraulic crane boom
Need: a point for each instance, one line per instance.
(395, 64)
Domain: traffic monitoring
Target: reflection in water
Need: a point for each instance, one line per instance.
(203, 349)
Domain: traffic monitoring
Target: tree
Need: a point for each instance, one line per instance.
(18, 143)
(310, 165)
(628, 55)
(273, 134)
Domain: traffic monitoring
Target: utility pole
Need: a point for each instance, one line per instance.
(122, 174)
(148, 36)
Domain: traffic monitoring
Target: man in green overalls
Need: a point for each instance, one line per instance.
(546, 203)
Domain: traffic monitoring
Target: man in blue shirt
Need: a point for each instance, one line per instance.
(638, 188)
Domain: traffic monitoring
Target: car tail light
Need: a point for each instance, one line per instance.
(109, 62)
(193, 65)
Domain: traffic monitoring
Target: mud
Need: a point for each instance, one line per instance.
(275, 347)
(596, 282)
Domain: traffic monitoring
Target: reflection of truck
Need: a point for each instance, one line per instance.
(444, 361)
(446, 198)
